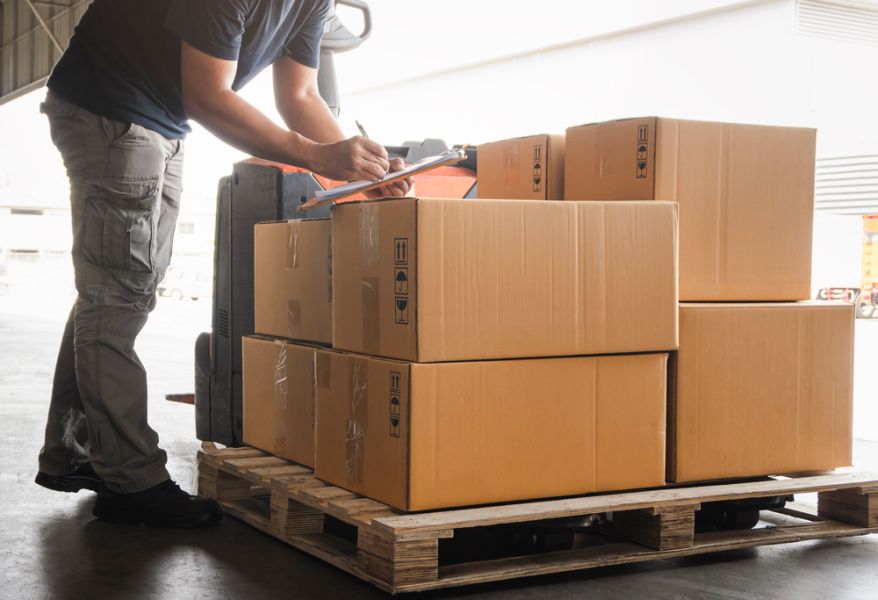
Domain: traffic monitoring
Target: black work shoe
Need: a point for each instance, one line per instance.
(83, 478)
(163, 505)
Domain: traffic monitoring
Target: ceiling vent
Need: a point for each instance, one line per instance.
(852, 22)
(847, 185)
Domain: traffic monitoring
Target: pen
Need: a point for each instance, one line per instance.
(362, 129)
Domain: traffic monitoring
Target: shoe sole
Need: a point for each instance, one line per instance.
(111, 514)
(66, 484)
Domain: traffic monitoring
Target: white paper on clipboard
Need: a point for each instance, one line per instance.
(332, 195)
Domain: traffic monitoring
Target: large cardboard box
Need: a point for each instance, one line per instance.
(292, 283)
(746, 197)
(528, 168)
(443, 280)
(428, 436)
(279, 396)
(761, 389)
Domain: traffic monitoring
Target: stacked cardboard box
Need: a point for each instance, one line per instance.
(293, 319)
(506, 349)
(528, 168)
(482, 350)
(442, 389)
(762, 381)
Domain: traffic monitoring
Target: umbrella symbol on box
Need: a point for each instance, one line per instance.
(401, 282)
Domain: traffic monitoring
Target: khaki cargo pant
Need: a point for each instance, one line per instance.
(125, 187)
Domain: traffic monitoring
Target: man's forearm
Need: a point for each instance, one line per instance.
(309, 115)
(240, 124)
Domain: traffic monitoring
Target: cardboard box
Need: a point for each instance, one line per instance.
(279, 396)
(527, 168)
(428, 436)
(292, 281)
(746, 196)
(761, 389)
(434, 280)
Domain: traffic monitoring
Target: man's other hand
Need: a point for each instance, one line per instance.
(357, 158)
(398, 188)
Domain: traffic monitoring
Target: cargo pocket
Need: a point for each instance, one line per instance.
(116, 132)
(120, 225)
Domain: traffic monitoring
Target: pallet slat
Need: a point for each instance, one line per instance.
(401, 552)
(572, 507)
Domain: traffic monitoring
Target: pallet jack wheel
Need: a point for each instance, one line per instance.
(735, 514)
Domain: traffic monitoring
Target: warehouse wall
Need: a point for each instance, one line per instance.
(749, 64)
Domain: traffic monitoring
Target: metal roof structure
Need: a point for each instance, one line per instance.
(33, 34)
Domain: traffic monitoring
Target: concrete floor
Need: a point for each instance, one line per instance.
(51, 547)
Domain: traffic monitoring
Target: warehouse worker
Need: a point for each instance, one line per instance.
(118, 105)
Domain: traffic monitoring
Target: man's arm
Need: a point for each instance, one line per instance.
(299, 103)
(209, 99)
(298, 100)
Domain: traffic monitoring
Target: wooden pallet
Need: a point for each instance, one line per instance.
(400, 552)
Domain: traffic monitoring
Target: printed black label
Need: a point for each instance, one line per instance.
(401, 252)
(642, 154)
(401, 281)
(395, 404)
(538, 168)
(401, 307)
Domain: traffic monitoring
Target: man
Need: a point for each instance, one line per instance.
(118, 105)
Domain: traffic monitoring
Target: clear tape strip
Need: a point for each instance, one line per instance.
(281, 374)
(356, 426)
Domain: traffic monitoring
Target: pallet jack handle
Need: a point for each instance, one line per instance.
(338, 38)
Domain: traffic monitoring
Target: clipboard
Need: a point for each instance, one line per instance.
(333, 195)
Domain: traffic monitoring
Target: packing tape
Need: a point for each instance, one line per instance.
(370, 233)
(357, 421)
(370, 294)
(294, 319)
(315, 355)
(292, 244)
(281, 373)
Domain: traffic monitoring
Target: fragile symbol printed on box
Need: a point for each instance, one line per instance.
(401, 280)
(642, 157)
(538, 168)
(401, 306)
(395, 405)
(394, 416)
(401, 251)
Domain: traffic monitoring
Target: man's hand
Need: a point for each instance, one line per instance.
(397, 189)
(352, 159)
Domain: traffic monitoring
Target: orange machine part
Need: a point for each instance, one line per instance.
(444, 182)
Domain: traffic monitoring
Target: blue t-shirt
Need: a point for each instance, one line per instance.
(123, 61)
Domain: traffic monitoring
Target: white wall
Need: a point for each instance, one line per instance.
(838, 251)
(748, 64)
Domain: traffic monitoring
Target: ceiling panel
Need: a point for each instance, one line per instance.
(32, 34)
